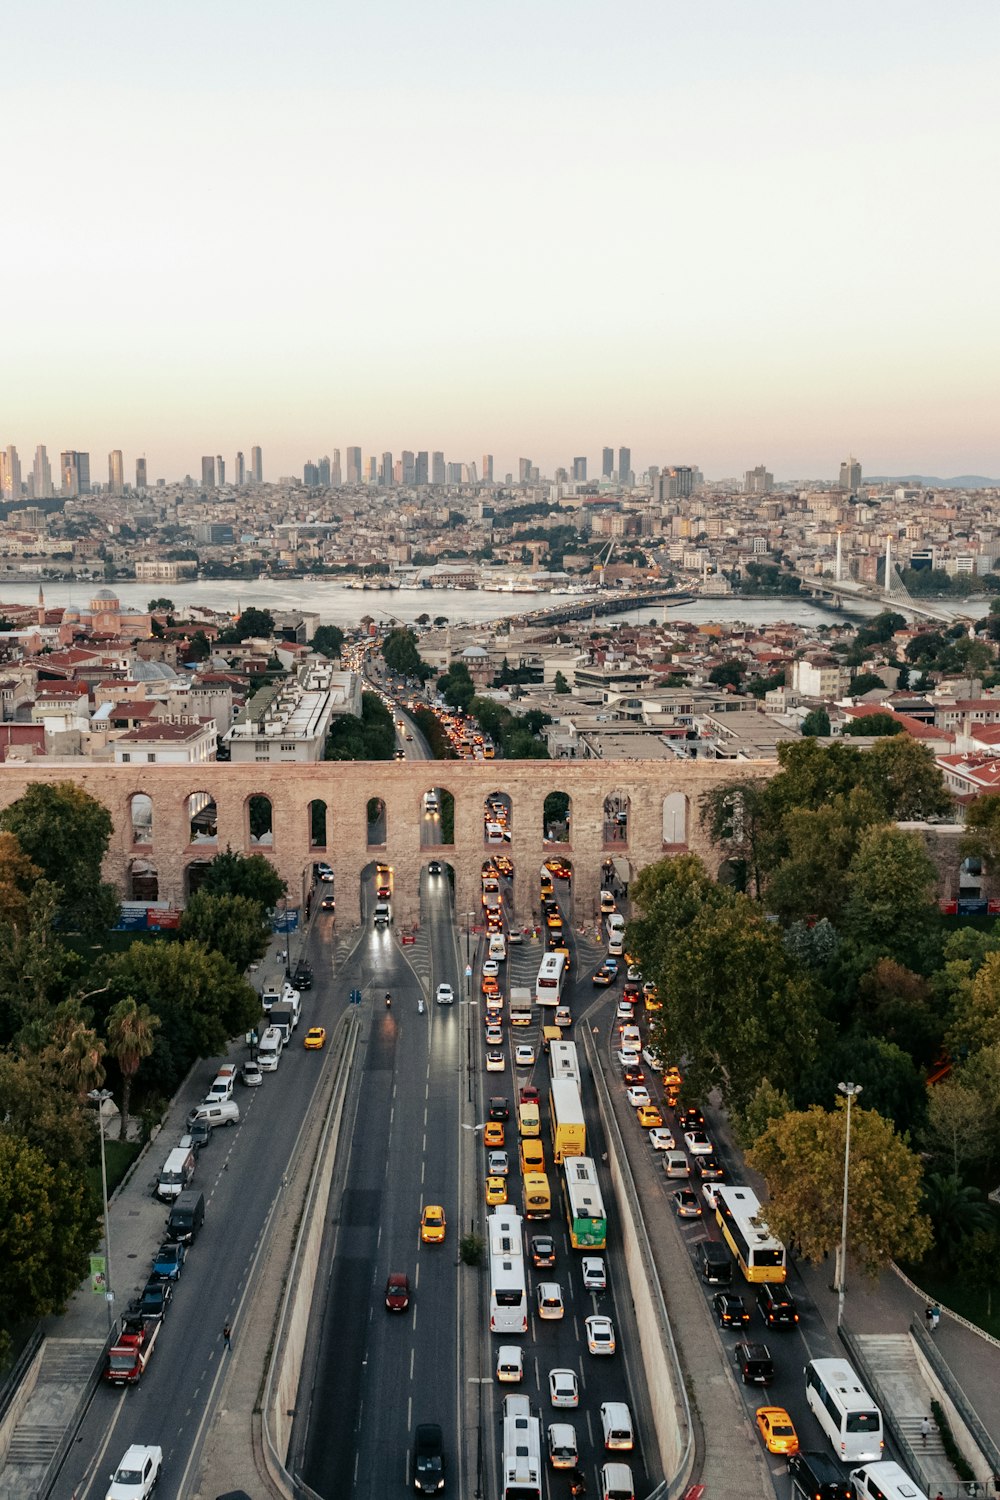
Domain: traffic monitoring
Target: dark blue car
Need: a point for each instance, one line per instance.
(168, 1262)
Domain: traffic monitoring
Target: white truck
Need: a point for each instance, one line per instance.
(521, 1002)
(269, 1050)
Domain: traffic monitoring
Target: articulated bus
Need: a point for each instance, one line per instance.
(588, 1223)
(551, 978)
(761, 1256)
(522, 1451)
(564, 1062)
(508, 1289)
(569, 1132)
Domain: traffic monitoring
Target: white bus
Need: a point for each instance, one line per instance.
(508, 1288)
(761, 1257)
(844, 1410)
(551, 978)
(563, 1061)
(522, 1451)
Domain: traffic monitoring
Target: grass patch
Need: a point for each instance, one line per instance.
(981, 1305)
(118, 1156)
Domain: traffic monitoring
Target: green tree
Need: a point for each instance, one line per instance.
(250, 875)
(457, 687)
(765, 1104)
(666, 898)
(899, 1006)
(890, 893)
(956, 1211)
(976, 1023)
(402, 656)
(48, 1226)
(812, 880)
(162, 604)
(36, 971)
(982, 830)
(131, 1029)
(199, 647)
(74, 1049)
(66, 833)
(901, 774)
(817, 722)
(328, 641)
(198, 996)
(866, 682)
(372, 737)
(872, 726)
(253, 624)
(727, 674)
(559, 684)
(958, 1129)
(40, 1107)
(18, 875)
(801, 1156)
(234, 926)
(892, 1082)
(740, 818)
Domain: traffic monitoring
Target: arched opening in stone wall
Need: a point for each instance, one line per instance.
(260, 820)
(377, 888)
(377, 823)
(560, 873)
(675, 816)
(437, 817)
(616, 814)
(437, 887)
(616, 876)
(557, 815)
(317, 824)
(143, 881)
(491, 895)
(203, 818)
(733, 872)
(194, 876)
(498, 819)
(141, 812)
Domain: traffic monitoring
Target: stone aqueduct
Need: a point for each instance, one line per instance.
(663, 807)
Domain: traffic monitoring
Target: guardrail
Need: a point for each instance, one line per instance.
(977, 1431)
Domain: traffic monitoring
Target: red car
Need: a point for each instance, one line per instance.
(397, 1292)
(529, 1094)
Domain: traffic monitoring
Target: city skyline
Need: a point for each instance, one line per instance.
(723, 238)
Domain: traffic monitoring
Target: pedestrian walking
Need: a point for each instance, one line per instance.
(929, 1318)
(925, 1430)
(935, 1317)
(227, 1335)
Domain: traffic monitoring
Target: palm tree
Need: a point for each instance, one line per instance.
(130, 1039)
(956, 1210)
(75, 1050)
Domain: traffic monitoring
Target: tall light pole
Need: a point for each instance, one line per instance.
(850, 1092)
(468, 954)
(100, 1097)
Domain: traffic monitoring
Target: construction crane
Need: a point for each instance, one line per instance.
(603, 561)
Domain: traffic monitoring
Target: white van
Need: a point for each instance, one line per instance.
(510, 1364)
(616, 1425)
(430, 802)
(497, 946)
(175, 1174)
(494, 833)
(885, 1481)
(615, 926)
(616, 1482)
(676, 1164)
(216, 1112)
(222, 1086)
(269, 1050)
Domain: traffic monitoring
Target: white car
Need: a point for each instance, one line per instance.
(499, 1165)
(624, 1012)
(661, 1139)
(136, 1474)
(550, 1300)
(627, 1058)
(638, 1096)
(594, 1275)
(651, 1060)
(563, 1452)
(510, 1364)
(495, 1060)
(494, 1035)
(564, 1388)
(698, 1143)
(524, 1055)
(445, 994)
(633, 973)
(251, 1075)
(600, 1334)
(708, 1192)
(491, 968)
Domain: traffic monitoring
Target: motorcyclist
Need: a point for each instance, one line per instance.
(577, 1483)
(388, 1000)
(420, 1005)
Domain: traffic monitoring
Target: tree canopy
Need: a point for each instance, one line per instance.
(250, 875)
(66, 833)
(328, 641)
(402, 655)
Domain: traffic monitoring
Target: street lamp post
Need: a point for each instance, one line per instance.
(850, 1092)
(468, 954)
(99, 1097)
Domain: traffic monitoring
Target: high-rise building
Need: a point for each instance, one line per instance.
(11, 474)
(607, 463)
(220, 469)
(385, 471)
(323, 468)
(74, 470)
(208, 472)
(257, 465)
(850, 475)
(116, 472)
(580, 470)
(437, 468)
(676, 482)
(141, 478)
(372, 470)
(336, 477)
(354, 465)
(42, 473)
(523, 470)
(624, 465)
(487, 468)
(421, 472)
(241, 470)
(310, 475)
(758, 481)
(454, 473)
(408, 467)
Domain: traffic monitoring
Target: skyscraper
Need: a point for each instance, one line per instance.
(607, 463)
(353, 475)
(850, 475)
(372, 470)
(420, 473)
(523, 470)
(116, 472)
(241, 470)
(141, 480)
(487, 468)
(11, 474)
(323, 468)
(580, 470)
(385, 471)
(437, 468)
(310, 475)
(220, 469)
(758, 481)
(208, 472)
(336, 477)
(257, 465)
(624, 465)
(74, 469)
(408, 468)
(43, 474)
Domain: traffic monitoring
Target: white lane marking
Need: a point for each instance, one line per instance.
(99, 1456)
(413, 1354)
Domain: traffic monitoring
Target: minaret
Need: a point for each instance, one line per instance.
(41, 605)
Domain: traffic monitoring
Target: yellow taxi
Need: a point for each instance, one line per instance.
(672, 1079)
(649, 1116)
(315, 1038)
(491, 985)
(496, 1191)
(432, 1224)
(493, 1133)
(775, 1427)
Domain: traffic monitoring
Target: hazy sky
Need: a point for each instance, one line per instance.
(720, 234)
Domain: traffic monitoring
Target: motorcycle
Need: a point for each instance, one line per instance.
(420, 1007)
(577, 1483)
(388, 1001)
